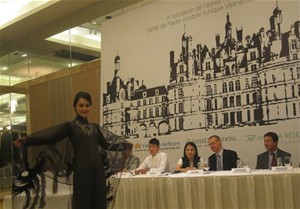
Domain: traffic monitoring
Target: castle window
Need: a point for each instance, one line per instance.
(246, 83)
(295, 56)
(156, 112)
(225, 105)
(254, 82)
(294, 44)
(231, 101)
(181, 108)
(253, 67)
(237, 85)
(151, 113)
(252, 55)
(180, 93)
(215, 89)
(156, 92)
(208, 90)
(181, 69)
(224, 85)
(156, 100)
(238, 100)
(151, 101)
(139, 115)
(207, 64)
(208, 76)
(175, 96)
(231, 87)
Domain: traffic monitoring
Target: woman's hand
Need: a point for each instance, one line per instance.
(19, 143)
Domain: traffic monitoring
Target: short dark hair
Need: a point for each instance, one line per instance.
(218, 138)
(83, 95)
(273, 135)
(154, 141)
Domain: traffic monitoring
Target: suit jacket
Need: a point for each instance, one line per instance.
(229, 160)
(262, 161)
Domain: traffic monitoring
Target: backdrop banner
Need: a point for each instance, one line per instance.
(185, 70)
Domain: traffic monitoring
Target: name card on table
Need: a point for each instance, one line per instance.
(195, 172)
(282, 168)
(153, 173)
(240, 170)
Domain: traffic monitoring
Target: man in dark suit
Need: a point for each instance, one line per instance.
(222, 159)
(267, 159)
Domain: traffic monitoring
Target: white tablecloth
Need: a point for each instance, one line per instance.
(218, 190)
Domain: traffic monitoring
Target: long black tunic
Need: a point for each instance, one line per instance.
(89, 184)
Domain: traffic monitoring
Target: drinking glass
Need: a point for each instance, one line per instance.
(279, 161)
(245, 163)
(239, 163)
(199, 165)
(287, 161)
(205, 165)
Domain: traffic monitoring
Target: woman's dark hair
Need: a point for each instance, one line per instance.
(185, 160)
(83, 95)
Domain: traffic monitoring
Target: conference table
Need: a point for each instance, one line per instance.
(263, 189)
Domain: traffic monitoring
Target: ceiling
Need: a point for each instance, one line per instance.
(30, 33)
(26, 51)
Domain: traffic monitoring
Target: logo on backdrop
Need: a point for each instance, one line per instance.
(166, 145)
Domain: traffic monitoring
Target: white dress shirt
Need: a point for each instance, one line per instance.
(159, 162)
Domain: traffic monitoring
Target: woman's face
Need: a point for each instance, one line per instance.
(190, 151)
(83, 108)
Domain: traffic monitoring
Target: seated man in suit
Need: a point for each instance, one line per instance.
(268, 158)
(156, 160)
(222, 159)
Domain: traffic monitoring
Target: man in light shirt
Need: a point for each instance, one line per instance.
(156, 161)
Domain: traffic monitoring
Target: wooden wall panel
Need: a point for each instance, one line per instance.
(61, 109)
(88, 81)
(39, 102)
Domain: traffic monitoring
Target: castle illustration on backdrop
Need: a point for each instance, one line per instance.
(242, 81)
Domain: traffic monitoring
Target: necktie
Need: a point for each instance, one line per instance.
(219, 163)
(273, 162)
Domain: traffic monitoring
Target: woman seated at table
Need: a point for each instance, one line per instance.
(190, 158)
